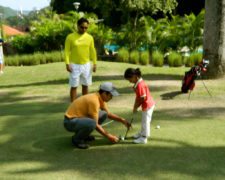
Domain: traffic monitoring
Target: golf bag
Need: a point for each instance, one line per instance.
(188, 82)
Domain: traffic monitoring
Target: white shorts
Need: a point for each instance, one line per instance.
(1, 56)
(81, 74)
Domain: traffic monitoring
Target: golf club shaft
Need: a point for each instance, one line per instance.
(129, 127)
(206, 88)
(107, 123)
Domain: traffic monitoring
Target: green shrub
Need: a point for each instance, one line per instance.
(185, 59)
(58, 57)
(24, 60)
(134, 57)
(144, 58)
(174, 59)
(12, 60)
(48, 57)
(194, 59)
(123, 55)
(197, 58)
(34, 59)
(189, 62)
(41, 57)
(157, 58)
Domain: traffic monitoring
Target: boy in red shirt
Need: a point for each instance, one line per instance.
(143, 99)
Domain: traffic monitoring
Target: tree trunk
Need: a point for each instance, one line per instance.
(214, 37)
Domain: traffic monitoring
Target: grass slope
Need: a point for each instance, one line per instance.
(34, 145)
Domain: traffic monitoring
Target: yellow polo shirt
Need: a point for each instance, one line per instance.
(80, 49)
(87, 106)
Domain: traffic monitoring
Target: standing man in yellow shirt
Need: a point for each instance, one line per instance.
(79, 52)
(88, 112)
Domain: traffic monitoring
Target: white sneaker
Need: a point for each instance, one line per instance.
(141, 140)
(136, 136)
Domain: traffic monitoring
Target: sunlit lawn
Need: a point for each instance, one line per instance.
(34, 145)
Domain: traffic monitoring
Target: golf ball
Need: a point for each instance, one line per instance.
(122, 138)
(158, 127)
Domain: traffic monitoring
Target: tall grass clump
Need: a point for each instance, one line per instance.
(157, 58)
(123, 55)
(175, 59)
(12, 60)
(54, 56)
(41, 57)
(194, 59)
(134, 57)
(34, 59)
(144, 58)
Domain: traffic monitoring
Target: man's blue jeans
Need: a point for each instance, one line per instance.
(83, 127)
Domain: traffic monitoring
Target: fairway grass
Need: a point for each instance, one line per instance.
(34, 145)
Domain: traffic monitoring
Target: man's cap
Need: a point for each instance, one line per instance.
(108, 86)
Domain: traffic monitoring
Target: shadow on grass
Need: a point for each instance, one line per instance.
(170, 95)
(153, 77)
(121, 160)
(37, 135)
(44, 83)
(14, 96)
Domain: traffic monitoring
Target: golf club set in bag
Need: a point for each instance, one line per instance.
(188, 82)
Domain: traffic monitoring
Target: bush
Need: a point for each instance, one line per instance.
(157, 58)
(175, 59)
(42, 57)
(54, 56)
(12, 60)
(144, 58)
(34, 59)
(123, 55)
(134, 57)
(194, 59)
(23, 44)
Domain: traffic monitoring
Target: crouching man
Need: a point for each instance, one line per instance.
(88, 112)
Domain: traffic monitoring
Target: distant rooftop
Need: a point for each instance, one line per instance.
(9, 31)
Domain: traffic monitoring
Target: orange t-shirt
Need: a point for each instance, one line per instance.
(87, 106)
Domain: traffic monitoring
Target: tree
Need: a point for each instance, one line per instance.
(116, 12)
(214, 37)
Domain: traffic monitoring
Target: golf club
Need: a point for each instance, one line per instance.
(107, 123)
(129, 127)
(122, 138)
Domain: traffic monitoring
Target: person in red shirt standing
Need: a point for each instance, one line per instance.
(144, 100)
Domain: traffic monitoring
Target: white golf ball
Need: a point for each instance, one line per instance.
(122, 138)
(158, 127)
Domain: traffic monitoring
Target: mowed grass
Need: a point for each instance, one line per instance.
(34, 144)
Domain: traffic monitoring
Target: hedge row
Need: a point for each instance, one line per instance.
(34, 59)
(173, 59)
(157, 58)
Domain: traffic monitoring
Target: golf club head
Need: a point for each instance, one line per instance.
(121, 138)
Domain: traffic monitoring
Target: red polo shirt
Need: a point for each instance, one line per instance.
(142, 90)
